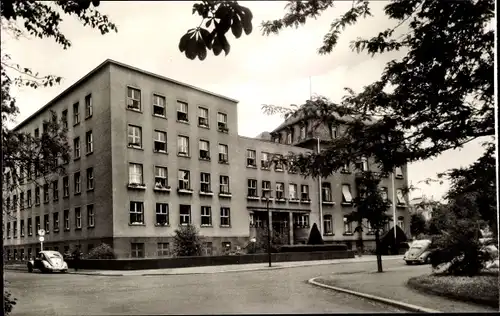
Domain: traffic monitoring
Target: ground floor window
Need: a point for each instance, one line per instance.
(137, 250)
(207, 249)
(163, 249)
(226, 246)
(347, 226)
(328, 224)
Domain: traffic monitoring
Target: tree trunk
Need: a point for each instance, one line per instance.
(377, 250)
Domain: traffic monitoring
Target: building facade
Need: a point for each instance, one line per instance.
(150, 154)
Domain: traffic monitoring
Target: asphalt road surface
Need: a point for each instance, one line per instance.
(272, 291)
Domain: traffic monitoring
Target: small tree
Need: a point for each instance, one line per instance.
(370, 205)
(9, 302)
(103, 251)
(187, 242)
(417, 224)
(315, 236)
(277, 240)
(458, 245)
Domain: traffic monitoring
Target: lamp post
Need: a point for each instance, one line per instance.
(267, 194)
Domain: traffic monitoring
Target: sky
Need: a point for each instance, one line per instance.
(279, 69)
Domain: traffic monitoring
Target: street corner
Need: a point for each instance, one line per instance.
(321, 282)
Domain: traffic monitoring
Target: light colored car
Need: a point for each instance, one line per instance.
(48, 261)
(419, 252)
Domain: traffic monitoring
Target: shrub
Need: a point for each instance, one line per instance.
(315, 236)
(103, 251)
(277, 240)
(187, 242)
(313, 248)
(9, 302)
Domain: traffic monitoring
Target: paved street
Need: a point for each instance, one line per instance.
(274, 291)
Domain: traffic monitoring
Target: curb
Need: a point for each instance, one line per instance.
(226, 271)
(405, 306)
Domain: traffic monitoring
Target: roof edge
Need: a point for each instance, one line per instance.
(100, 67)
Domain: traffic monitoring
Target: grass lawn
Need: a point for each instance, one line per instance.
(481, 289)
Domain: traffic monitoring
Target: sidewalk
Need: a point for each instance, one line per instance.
(391, 285)
(219, 269)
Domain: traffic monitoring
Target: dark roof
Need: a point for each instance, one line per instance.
(100, 67)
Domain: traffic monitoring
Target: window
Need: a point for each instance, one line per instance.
(76, 148)
(289, 137)
(264, 161)
(64, 118)
(89, 141)
(206, 216)
(302, 221)
(347, 226)
(327, 224)
(161, 177)
(55, 219)
(135, 174)
(90, 179)
(134, 136)
(205, 182)
(46, 223)
(207, 248)
(78, 181)
(346, 194)
(88, 106)
(223, 153)
(76, 114)
(303, 132)
(30, 227)
(90, 216)
(137, 250)
(400, 197)
(159, 105)
(78, 218)
(136, 213)
(204, 149)
(252, 187)
(280, 190)
(185, 214)
(224, 184)
(203, 117)
(182, 112)
(225, 219)
(162, 214)
(222, 122)
(345, 168)
(46, 193)
(8, 230)
(183, 145)
(14, 201)
(66, 219)
(22, 228)
(292, 191)
(362, 164)
(65, 187)
(55, 190)
(133, 99)
(326, 192)
(401, 222)
(279, 163)
(251, 157)
(28, 199)
(399, 172)
(384, 193)
(7, 202)
(14, 226)
(183, 176)
(21, 200)
(163, 249)
(334, 130)
(266, 188)
(160, 142)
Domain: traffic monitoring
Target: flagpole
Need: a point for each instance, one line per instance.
(320, 197)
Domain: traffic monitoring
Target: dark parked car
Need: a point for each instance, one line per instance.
(48, 261)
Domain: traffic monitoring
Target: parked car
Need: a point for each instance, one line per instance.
(48, 261)
(419, 252)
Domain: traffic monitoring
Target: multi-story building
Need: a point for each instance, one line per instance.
(150, 153)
